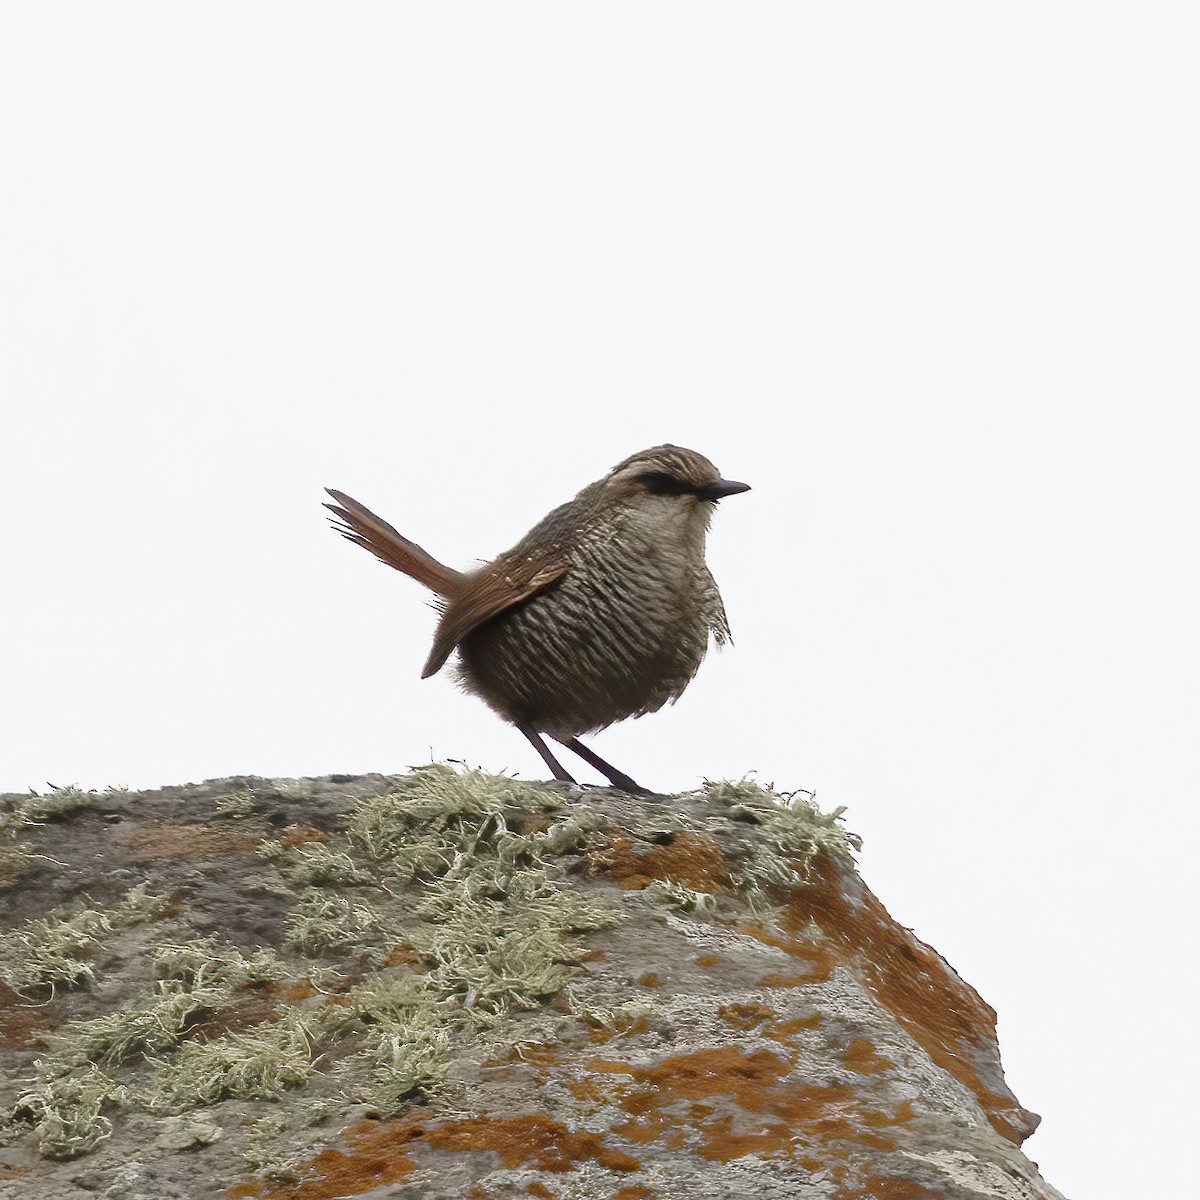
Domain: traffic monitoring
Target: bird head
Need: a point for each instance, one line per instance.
(670, 487)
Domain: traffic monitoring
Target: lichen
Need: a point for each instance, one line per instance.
(68, 1096)
(438, 817)
(502, 941)
(58, 803)
(66, 1111)
(678, 895)
(260, 1063)
(793, 833)
(55, 950)
(239, 803)
(325, 923)
(444, 904)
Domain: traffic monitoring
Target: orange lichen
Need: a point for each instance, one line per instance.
(782, 1030)
(878, 1187)
(744, 1016)
(707, 960)
(529, 1141)
(536, 1189)
(184, 841)
(819, 958)
(620, 1027)
(375, 1157)
(301, 835)
(377, 1153)
(538, 1054)
(941, 1013)
(692, 859)
(21, 1019)
(901, 1116)
(663, 1128)
(249, 1009)
(773, 979)
(649, 980)
(757, 1082)
(860, 1056)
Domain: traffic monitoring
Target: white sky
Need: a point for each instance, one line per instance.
(925, 275)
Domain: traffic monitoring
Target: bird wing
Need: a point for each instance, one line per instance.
(508, 581)
(360, 525)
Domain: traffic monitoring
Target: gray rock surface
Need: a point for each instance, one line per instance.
(448, 984)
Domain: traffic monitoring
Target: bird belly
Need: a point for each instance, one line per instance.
(592, 649)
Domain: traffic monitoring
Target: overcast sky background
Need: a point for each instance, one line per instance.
(925, 275)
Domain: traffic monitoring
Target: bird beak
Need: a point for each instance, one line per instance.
(721, 487)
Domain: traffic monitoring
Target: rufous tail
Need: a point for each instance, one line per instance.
(360, 525)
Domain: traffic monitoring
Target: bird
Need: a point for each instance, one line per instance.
(604, 610)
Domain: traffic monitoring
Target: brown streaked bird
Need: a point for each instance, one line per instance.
(602, 611)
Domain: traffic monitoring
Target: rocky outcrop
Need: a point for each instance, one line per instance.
(448, 984)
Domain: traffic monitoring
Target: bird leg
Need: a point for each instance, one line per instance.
(556, 768)
(617, 778)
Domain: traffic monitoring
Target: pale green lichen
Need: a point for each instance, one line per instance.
(269, 1151)
(210, 964)
(793, 833)
(495, 931)
(66, 1111)
(680, 896)
(438, 816)
(403, 1037)
(70, 1092)
(203, 976)
(259, 1063)
(326, 923)
(314, 865)
(16, 855)
(58, 803)
(403, 1060)
(55, 950)
(16, 861)
(617, 1017)
(501, 952)
(236, 805)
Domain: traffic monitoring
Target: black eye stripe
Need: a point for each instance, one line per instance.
(660, 484)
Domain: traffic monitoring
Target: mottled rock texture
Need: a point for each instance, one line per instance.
(448, 984)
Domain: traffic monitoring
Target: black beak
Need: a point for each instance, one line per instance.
(720, 488)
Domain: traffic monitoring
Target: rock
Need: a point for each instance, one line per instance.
(448, 984)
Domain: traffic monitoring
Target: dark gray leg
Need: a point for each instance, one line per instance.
(555, 766)
(617, 778)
